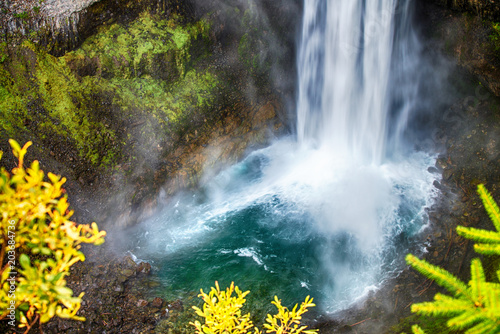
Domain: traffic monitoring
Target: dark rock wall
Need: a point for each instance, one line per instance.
(487, 9)
(464, 31)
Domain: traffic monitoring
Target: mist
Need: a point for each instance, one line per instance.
(322, 209)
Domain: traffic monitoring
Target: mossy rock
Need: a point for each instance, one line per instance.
(94, 96)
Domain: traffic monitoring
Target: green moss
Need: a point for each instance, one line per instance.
(118, 46)
(11, 111)
(122, 73)
(166, 103)
(23, 15)
(62, 95)
(3, 52)
(14, 94)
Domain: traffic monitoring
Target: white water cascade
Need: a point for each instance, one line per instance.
(348, 50)
(327, 214)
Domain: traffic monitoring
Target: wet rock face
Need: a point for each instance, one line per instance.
(466, 35)
(120, 97)
(485, 8)
(59, 8)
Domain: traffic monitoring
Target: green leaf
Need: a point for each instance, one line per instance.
(63, 291)
(24, 307)
(46, 251)
(24, 260)
(57, 277)
(41, 285)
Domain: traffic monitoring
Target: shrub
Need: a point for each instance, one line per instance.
(222, 313)
(473, 307)
(39, 244)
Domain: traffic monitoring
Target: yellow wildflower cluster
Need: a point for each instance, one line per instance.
(222, 313)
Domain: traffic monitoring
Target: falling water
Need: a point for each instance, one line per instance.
(349, 49)
(329, 213)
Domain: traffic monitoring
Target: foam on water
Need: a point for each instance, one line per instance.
(333, 232)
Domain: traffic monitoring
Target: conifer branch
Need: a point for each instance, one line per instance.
(441, 276)
(437, 308)
(465, 320)
(478, 280)
(478, 234)
(490, 205)
(482, 328)
(487, 249)
(474, 307)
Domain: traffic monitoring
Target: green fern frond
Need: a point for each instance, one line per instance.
(441, 276)
(478, 234)
(490, 205)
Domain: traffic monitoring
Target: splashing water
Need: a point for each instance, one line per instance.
(327, 214)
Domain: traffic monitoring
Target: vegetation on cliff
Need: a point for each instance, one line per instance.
(141, 72)
(39, 244)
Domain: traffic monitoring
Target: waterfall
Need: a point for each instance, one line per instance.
(331, 212)
(348, 52)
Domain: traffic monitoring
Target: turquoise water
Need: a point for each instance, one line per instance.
(288, 231)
